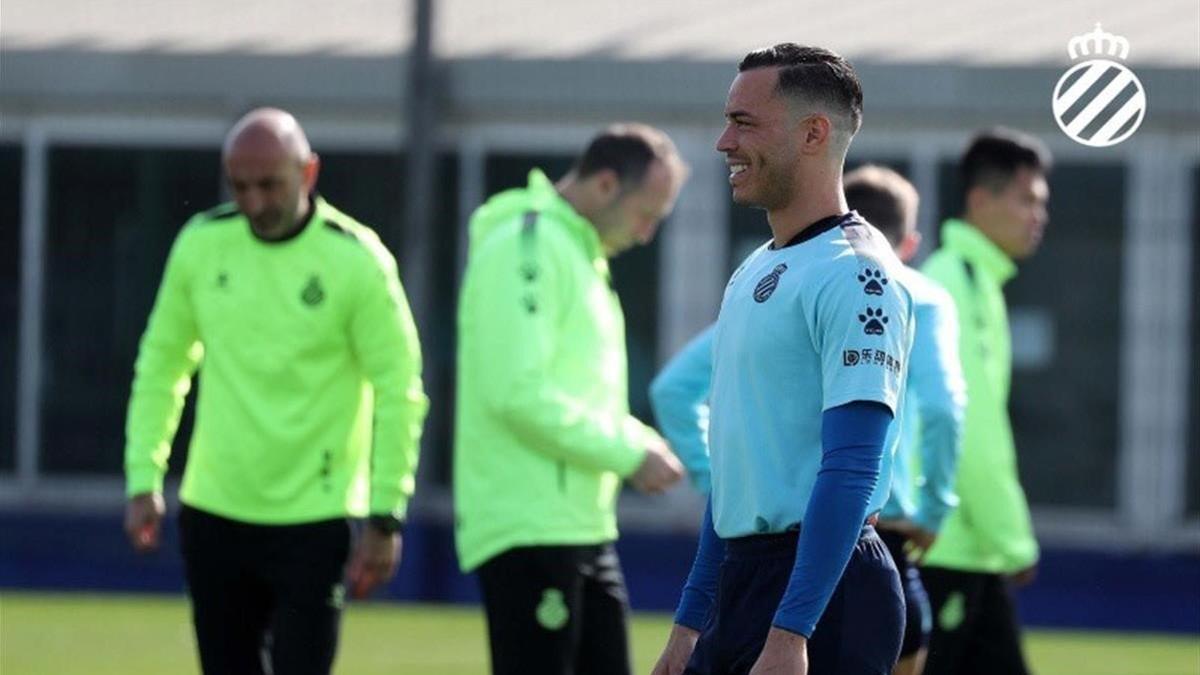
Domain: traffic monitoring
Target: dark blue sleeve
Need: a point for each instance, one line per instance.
(852, 438)
(700, 591)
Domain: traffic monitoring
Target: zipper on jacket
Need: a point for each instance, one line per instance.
(978, 305)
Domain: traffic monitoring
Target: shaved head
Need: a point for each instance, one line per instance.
(271, 170)
(265, 131)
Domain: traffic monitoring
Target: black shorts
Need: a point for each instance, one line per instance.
(264, 593)
(917, 617)
(553, 610)
(858, 634)
(975, 630)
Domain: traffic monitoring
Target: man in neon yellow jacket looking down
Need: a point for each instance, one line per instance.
(543, 434)
(309, 413)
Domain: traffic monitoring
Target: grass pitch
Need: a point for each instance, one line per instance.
(63, 634)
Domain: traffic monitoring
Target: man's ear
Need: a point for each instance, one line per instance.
(910, 246)
(607, 185)
(311, 169)
(977, 199)
(814, 132)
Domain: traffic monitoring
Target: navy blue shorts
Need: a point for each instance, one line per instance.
(918, 618)
(859, 633)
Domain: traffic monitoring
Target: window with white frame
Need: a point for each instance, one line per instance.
(10, 289)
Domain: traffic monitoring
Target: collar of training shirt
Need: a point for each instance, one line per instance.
(818, 228)
(314, 205)
(544, 198)
(974, 245)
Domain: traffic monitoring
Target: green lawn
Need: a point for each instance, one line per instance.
(44, 634)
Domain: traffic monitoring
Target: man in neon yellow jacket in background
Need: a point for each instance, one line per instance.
(988, 540)
(309, 414)
(543, 434)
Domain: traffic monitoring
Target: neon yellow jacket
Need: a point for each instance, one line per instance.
(303, 346)
(543, 433)
(990, 531)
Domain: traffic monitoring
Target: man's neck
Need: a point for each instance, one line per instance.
(568, 188)
(808, 207)
(974, 222)
(573, 193)
(288, 231)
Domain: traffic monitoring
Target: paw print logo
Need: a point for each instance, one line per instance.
(873, 281)
(529, 272)
(873, 321)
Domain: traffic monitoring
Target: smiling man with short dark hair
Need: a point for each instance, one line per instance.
(809, 365)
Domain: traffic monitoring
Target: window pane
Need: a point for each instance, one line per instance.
(1193, 442)
(634, 273)
(10, 288)
(1066, 350)
(748, 229)
(635, 278)
(370, 187)
(112, 216)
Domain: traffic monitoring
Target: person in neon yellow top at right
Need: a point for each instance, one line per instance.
(988, 541)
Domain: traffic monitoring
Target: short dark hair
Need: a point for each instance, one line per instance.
(884, 198)
(813, 74)
(627, 149)
(995, 155)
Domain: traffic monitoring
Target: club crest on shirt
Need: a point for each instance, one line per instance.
(767, 285)
(313, 294)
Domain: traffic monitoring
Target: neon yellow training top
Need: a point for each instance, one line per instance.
(310, 404)
(991, 530)
(543, 433)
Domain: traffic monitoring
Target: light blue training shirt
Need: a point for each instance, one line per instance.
(803, 328)
(931, 425)
(679, 397)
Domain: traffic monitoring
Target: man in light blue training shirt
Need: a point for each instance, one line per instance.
(921, 496)
(679, 397)
(931, 431)
(809, 365)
